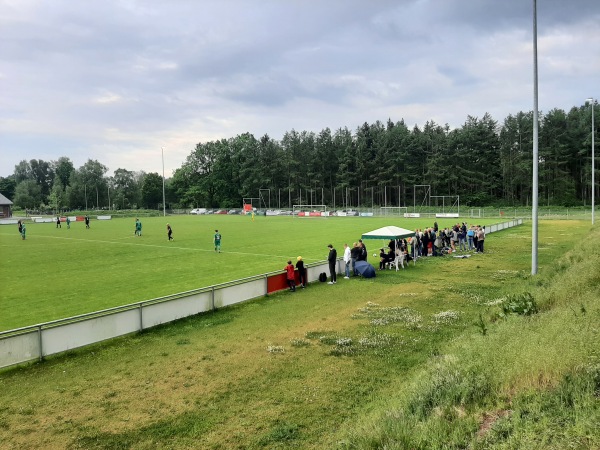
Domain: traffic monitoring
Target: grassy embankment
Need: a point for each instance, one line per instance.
(416, 359)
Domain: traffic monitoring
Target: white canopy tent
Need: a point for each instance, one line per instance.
(388, 233)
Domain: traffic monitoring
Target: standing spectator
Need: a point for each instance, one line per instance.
(416, 244)
(355, 255)
(58, 225)
(475, 238)
(87, 221)
(445, 237)
(392, 245)
(291, 279)
(437, 244)
(332, 259)
(363, 251)
(217, 241)
(454, 238)
(480, 239)
(347, 260)
(403, 244)
(301, 271)
(427, 243)
(470, 235)
(169, 232)
(462, 240)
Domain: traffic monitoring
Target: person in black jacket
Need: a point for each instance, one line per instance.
(301, 271)
(332, 259)
(363, 250)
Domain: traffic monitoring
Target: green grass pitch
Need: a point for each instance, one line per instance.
(58, 273)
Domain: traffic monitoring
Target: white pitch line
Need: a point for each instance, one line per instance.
(161, 246)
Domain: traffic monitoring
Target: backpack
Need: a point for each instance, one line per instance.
(322, 277)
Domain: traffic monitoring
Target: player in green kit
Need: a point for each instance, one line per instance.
(217, 241)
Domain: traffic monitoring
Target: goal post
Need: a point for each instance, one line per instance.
(310, 211)
(253, 202)
(393, 211)
(450, 203)
(475, 212)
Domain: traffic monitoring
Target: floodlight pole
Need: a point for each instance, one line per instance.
(163, 167)
(593, 162)
(534, 194)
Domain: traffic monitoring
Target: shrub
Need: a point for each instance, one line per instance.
(522, 304)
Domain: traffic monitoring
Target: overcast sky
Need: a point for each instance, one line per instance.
(117, 80)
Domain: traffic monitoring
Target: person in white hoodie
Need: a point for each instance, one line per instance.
(347, 260)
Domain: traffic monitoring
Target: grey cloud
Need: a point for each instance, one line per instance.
(184, 69)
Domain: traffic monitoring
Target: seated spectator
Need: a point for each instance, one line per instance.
(382, 259)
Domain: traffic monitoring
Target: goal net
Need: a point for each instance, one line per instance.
(394, 211)
(310, 211)
(475, 212)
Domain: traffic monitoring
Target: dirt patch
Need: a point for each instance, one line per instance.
(489, 419)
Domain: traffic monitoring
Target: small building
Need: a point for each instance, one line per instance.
(5, 205)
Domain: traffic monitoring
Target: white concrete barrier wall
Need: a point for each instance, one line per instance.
(238, 293)
(312, 273)
(159, 313)
(77, 334)
(19, 348)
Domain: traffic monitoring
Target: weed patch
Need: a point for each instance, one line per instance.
(521, 304)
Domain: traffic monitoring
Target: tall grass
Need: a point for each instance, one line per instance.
(529, 382)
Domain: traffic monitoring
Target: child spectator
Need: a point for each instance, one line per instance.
(290, 276)
(301, 272)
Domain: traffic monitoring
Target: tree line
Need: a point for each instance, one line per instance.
(384, 164)
(58, 185)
